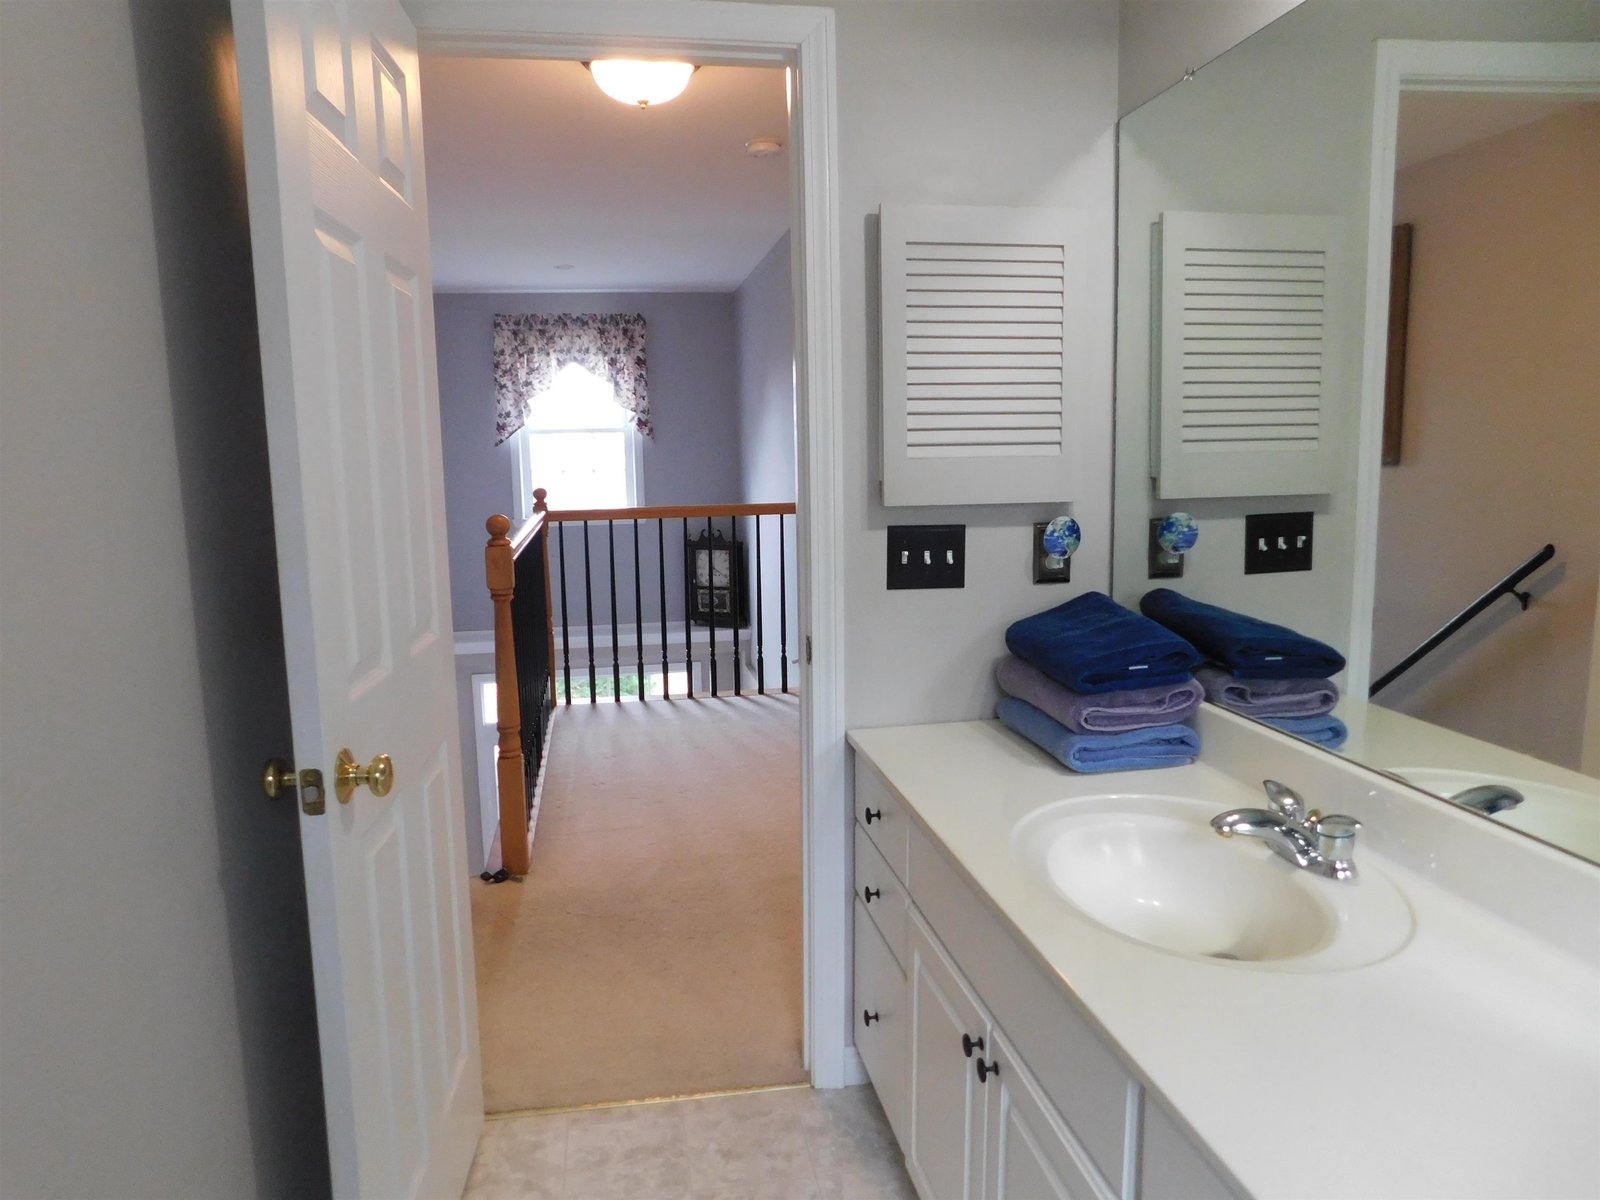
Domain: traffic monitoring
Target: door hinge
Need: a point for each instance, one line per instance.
(808, 649)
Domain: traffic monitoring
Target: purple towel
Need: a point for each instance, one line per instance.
(1267, 699)
(1103, 712)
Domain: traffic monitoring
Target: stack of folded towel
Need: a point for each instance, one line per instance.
(1261, 670)
(1100, 687)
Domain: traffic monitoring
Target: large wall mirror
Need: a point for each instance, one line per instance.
(1359, 282)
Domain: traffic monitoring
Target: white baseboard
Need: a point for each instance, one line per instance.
(855, 1071)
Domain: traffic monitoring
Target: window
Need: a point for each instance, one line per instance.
(579, 445)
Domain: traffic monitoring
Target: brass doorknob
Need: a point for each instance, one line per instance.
(349, 775)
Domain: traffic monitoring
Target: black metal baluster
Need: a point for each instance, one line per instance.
(566, 641)
(761, 649)
(616, 665)
(661, 580)
(735, 597)
(711, 596)
(588, 610)
(688, 610)
(638, 615)
(783, 604)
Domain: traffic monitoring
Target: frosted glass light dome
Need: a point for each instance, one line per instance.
(640, 82)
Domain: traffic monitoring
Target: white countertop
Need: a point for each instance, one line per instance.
(1466, 1064)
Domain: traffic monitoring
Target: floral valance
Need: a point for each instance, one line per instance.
(530, 348)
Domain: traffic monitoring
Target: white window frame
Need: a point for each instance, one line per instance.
(524, 480)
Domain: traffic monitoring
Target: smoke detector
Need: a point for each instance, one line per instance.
(763, 147)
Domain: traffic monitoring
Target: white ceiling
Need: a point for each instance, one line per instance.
(530, 165)
(1437, 123)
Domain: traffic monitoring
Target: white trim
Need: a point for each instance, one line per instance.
(1554, 67)
(803, 38)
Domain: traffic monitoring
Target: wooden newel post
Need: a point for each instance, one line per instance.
(540, 506)
(501, 573)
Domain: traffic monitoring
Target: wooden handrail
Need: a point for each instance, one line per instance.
(668, 511)
(500, 570)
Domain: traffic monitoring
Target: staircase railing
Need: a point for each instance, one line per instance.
(517, 568)
(724, 603)
(1506, 587)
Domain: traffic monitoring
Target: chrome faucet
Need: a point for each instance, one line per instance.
(1489, 798)
(1311, 841)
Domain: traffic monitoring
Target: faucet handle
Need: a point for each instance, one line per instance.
(1336, 840)
(1284, 801)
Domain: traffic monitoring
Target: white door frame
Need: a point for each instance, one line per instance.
(801, 38)
(1554, 67)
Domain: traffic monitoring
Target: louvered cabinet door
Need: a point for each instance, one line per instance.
(984, 320)
(1247, 375)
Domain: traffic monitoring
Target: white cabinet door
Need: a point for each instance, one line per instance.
(883, 1025)
(1030, 1154)
(949, 1036)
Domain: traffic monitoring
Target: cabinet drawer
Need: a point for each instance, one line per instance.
(880, 813)
(1082, 1077)
(883, 896)
(882, 1023)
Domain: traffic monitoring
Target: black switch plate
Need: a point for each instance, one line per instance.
(927, 556)
(1276, 542)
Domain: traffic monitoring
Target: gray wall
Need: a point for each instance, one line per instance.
(694, 403)
(764, 317)
(1006, 104)
(1161, 39)
(157, 1027)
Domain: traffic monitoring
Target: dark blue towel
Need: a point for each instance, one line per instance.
(1247, 646)
(1140, 749)
(1326, 731)
(1092, 644)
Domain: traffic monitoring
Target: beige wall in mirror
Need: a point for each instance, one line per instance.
(1500, 439)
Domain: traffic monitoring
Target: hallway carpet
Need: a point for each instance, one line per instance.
(654, 948)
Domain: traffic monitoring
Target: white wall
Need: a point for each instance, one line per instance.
(1007, 104)
(764, 322)
(1501, 448)
(1161, 39)
(1280, 124)
(157, 1030)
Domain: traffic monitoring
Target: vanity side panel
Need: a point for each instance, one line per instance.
(1078, 1072)
(1171, 1168)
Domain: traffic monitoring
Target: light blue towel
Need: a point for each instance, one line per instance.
(1328, 731)
(1141, 749)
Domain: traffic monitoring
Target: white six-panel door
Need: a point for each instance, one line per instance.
(338, 219)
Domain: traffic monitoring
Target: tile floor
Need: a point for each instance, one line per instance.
(794, 1144)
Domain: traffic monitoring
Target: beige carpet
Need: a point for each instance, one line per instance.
(654, 948)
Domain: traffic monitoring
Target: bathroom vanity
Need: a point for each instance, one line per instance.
(1069, 986)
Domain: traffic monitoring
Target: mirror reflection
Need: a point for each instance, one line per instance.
(1357, 356)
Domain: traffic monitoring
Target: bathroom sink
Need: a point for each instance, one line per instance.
(1563, 816)
(1152, 869)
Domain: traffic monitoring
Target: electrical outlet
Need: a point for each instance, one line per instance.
(927, 556)
(1276, 542)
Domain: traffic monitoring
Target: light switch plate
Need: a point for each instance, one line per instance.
(1276, 542)
(927, 556)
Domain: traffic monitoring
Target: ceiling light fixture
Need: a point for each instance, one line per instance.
(641, 82)
(763, 147)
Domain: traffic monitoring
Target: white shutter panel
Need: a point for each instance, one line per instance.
(983, 325)
(1245, 375)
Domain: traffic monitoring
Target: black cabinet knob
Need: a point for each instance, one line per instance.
(874, 814)
(970, 1043)
(867, 1018)
(987, 1069)
(871, 894)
